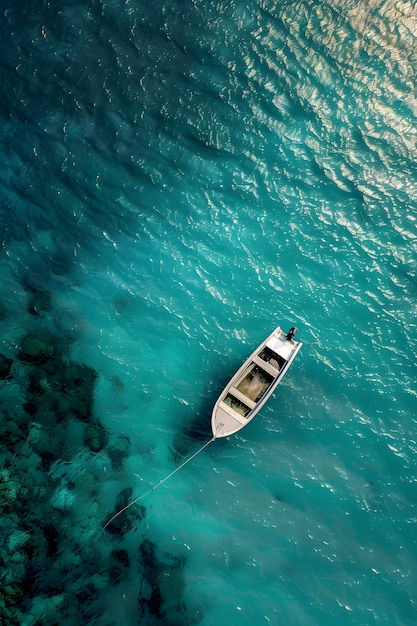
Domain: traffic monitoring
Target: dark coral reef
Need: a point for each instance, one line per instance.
(56, 562)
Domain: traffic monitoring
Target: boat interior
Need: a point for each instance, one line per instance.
(255, 381)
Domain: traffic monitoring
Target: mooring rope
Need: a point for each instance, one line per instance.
(177, 469)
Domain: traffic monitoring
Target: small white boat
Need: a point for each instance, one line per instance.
(254, 382)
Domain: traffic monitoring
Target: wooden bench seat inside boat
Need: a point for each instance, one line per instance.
(242, 397)
(228, 409)
(265, 366)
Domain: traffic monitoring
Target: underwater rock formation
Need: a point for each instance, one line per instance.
(125, 522)
(117, 384)
(40, 299)
(37, 349)
(119, 566)
(95, 437)
(5, 366)
(65, 389)
(162, 584)
(118, 451)
(77, 383)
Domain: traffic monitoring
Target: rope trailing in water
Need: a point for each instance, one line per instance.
(177, 469)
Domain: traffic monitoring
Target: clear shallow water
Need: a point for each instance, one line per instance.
(177, 180)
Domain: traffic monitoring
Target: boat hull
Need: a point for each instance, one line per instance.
(254, 382)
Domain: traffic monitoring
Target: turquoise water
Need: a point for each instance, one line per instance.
(178, 179)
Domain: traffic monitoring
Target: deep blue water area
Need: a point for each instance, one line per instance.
(178, 179)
